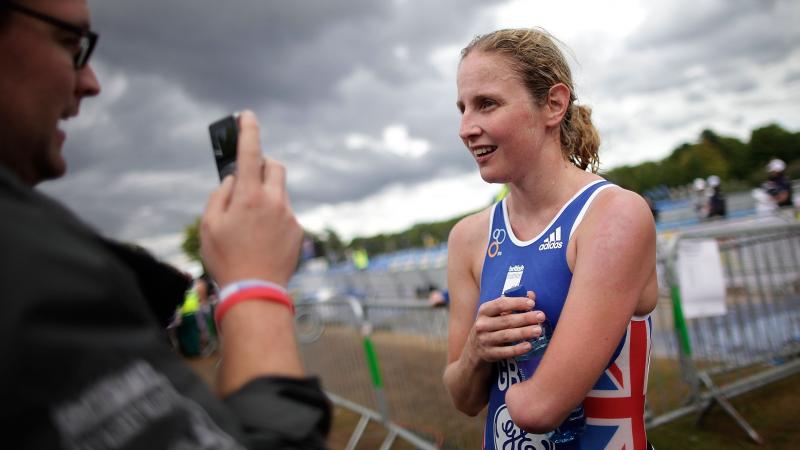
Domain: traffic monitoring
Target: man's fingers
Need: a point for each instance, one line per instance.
(249, 163)
(219, 199)
(274, 175)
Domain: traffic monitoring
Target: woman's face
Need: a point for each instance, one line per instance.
(500, 123)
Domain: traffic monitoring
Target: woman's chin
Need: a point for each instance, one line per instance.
(490, 176)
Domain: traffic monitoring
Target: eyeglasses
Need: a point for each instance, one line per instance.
(87, 39)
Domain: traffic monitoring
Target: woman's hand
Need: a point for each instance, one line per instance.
(503, 328)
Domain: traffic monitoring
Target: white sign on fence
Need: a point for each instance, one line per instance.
(700, 277)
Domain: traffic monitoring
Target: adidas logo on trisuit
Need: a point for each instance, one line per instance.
(553, 241)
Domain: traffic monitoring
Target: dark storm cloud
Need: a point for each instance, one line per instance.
(249, 52)
(178, 65)
(231, 52)
(139, 133)
(318, 72)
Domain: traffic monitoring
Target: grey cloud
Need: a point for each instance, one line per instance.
(250, 52)
(719, 36)
(695, 97)
(681, 122)
(792, 76)
(684, 21)
(139, 157)
(185, 63)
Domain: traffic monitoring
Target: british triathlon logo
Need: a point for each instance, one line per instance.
(553, 241)
(498, 237)
(513, 277)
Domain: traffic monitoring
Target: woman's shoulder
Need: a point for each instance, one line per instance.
(620, 206)
(622, 198)
(471, 229)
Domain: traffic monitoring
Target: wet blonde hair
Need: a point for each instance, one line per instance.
(536, 59)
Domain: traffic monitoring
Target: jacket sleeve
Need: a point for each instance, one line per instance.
(280, 412)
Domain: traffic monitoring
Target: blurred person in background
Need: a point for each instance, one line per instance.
(717, 204)
(583, 248)
(778, 185)
(700, 198)
(86, 362)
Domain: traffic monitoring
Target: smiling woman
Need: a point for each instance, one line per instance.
(534, 57)
(583, 249)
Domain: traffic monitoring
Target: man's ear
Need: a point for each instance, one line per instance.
(557, 104)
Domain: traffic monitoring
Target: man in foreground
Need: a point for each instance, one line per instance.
(86, 362)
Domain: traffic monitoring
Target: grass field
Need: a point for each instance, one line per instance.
(412, 367)
(774, 412)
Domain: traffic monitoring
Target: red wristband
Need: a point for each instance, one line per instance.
(262, 293)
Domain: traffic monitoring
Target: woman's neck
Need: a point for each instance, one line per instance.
(535, 199)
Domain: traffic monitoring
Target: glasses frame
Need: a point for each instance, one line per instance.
(87, 38)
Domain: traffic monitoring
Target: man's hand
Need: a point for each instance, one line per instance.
(248, 229)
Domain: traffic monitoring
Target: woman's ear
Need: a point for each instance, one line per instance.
(557, 104)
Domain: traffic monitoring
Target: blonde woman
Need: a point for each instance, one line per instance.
(583, 248)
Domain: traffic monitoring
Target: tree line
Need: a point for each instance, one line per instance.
(740, 165)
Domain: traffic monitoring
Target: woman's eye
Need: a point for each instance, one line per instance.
(486, 103)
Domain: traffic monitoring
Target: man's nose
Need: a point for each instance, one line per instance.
(88, 85)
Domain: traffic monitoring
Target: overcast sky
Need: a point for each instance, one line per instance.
(357, 98)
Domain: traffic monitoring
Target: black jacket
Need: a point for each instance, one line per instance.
(85, 362)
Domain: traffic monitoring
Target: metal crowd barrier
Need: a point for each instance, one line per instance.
(384, 361)
(755, 338)
(382, 356)
(373, 284)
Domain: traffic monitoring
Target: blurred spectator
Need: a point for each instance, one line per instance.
(777, 185)
(700, 198)
(717, 206)
(439, 298)
(360, 259)
(433, 294)
(764, 204)
(188, 327)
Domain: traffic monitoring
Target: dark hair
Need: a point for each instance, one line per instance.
(537, 60)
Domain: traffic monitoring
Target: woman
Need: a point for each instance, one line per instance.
(586, 248)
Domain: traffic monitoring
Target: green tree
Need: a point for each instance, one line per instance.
(772, 141)
(734, 151)
(191, 241)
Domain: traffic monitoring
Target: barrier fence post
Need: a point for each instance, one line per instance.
(370, 355)
(688, 370)
(374, 371)
(680, 322)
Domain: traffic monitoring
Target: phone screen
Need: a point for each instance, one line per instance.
(224, 134)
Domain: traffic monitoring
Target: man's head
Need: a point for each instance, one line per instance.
(40, 84)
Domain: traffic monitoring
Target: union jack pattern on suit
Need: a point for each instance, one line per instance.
(615, 407)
